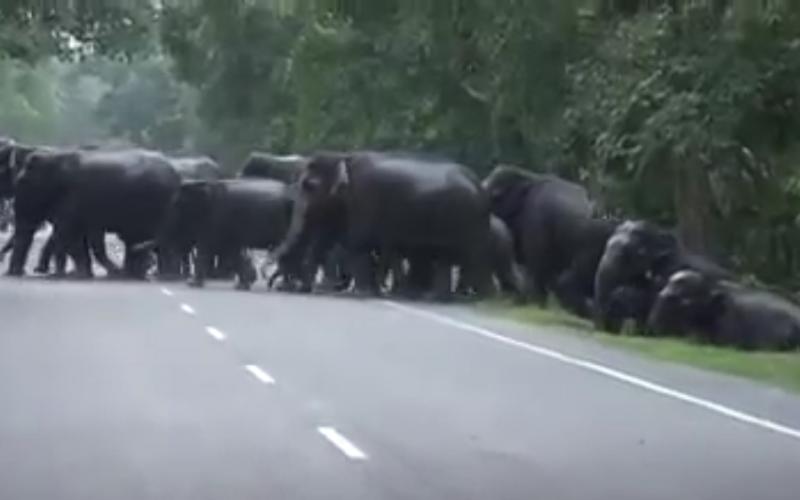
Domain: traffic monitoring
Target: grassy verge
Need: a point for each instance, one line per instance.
(779, 369)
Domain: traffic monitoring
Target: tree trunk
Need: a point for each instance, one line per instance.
(693, 198)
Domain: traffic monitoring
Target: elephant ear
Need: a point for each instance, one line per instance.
(510, 202)
(196, 193)
(718, 304)
(665, 247)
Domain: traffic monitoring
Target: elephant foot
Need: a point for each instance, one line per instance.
(41, 269)
(169, 277)
(438, 297)
(362, 293)
(114, 272)
(195, 283)
(77, 275)
(15, 273)
(243, 286)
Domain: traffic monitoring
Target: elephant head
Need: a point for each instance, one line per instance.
(637, 254)
(41, 182)
(508, 188)
(690, 301)
(319, 196)
(13, 157)
(189, 214)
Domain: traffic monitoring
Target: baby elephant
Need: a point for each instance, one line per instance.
(724, 313)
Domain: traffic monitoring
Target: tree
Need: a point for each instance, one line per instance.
(30, 31)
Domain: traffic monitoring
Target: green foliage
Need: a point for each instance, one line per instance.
(686, 117)
(680, 111)
(31, 30)
(146, 106)
(28, 101)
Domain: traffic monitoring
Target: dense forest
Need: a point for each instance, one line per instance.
(681, 111)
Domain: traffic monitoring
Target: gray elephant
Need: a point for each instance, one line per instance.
(642, 256)
(89, 193)
(388, 204)
(227, 217)
(556, 236)
(175, 262)
(725, 313)
(12, 160)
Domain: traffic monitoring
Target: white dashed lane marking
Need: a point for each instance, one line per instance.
(260, 374)
(333, 436)
(215, 334)
(342, 443)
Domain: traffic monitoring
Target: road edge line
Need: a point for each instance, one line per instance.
(606, 371)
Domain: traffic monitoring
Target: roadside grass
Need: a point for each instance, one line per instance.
(778, 369)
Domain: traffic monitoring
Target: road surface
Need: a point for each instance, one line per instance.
(152, 391)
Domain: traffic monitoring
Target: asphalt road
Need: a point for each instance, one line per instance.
(141, 390)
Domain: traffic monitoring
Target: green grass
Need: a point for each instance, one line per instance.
(779, 369)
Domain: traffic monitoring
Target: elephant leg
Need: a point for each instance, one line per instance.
(79, 250)
(202, 265)
(136, 263)
(9, 245)
(397, 269)
(245, 272)
(97, 244)
(224, 265)
(46, 255)
(335, 276)
(170, 263)
(22, 239)
(442, 290)
(186, 261)
(420, 278)
(476, 271)
(364, 274)
(572, 295)
(72, 243)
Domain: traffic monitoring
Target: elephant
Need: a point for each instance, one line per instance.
(87, 193)
(268, 166)
(643, 256)
(388, 204)
(176, 262)
(557, 238)
(12, 161)
(227, 217)
(725, 313)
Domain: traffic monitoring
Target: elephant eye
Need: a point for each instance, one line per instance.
(310, 185)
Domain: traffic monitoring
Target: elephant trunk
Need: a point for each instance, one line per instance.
(662, 319)
(297, 227)
(609, 276)
(145, 246)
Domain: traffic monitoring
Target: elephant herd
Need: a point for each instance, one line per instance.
(370, 223)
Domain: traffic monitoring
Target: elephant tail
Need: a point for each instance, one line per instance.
(145, 246)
